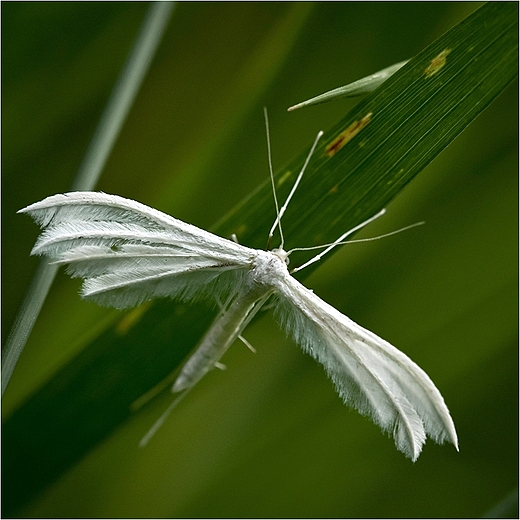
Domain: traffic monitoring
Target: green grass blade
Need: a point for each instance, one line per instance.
(357, 88)
(96, 156)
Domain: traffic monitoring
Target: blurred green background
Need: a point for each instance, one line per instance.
(268, 437)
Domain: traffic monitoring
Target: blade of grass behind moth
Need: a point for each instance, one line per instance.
(111, 122)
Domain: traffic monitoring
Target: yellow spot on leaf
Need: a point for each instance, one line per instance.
(286, 175)
(342, 139)
(128, 321)
(437, 63)
(241, 230)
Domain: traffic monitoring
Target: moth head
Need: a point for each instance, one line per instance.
(281, 254)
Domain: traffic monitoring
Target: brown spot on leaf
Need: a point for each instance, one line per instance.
(342, 139)
(437, 63)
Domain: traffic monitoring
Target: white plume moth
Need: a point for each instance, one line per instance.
(128, 253)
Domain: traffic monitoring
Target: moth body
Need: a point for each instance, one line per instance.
(128, 253)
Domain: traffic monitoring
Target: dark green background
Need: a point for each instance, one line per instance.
(269, 437)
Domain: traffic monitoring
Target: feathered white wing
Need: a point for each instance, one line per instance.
(128, 252)
(370, 374)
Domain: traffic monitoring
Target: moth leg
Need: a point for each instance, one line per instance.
(240, 337)
(247, 344)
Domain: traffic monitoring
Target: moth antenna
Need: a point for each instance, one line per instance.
(281, 211)
(269, 158)
(369, 239)
(337, 242)
(384, 235)
(295, 185)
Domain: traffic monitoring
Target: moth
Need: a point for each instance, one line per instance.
(128, 253)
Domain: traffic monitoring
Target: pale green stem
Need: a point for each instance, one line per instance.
(110, 124)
